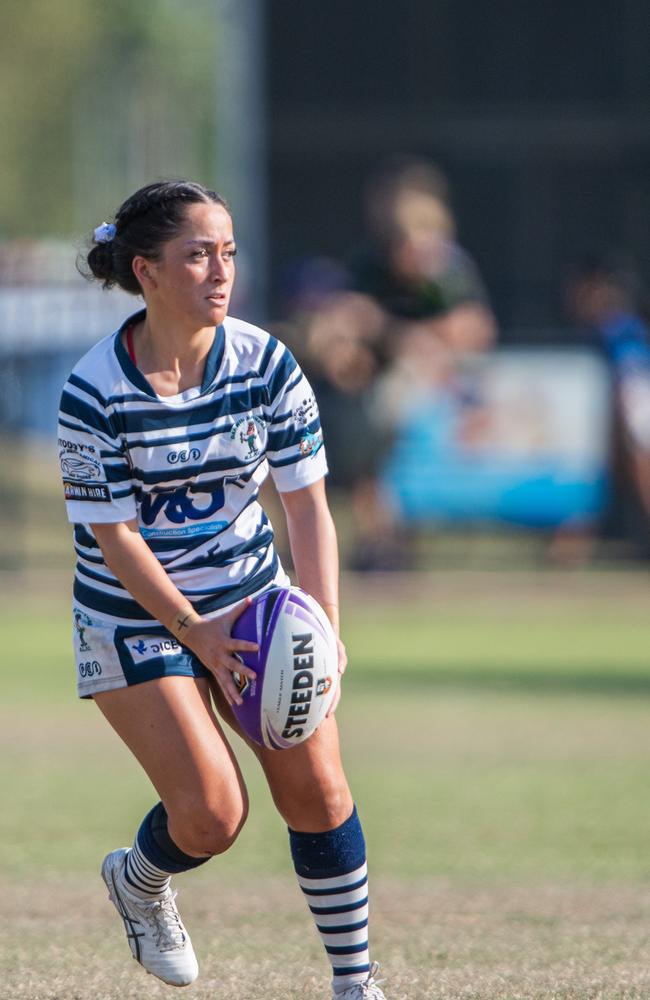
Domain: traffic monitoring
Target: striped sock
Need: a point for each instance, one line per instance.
(333, 875)
(340, 908)
(144, 878)
(154, 857)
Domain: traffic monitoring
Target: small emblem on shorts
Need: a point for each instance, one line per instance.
(146, 647)
(81, 623)
(91, 668)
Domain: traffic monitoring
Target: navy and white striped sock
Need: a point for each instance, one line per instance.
(154, 857)
(143, 878)
(333, 875)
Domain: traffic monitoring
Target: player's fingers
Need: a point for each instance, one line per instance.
(233, 615)
(235, 665)
(221, 679)
(343, 656)
(243, 645)
(336, 699)
(228, 686)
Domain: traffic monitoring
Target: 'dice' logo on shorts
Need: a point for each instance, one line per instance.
(146, 647)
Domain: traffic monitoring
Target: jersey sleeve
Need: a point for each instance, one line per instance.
(295, 450)
(95, 470)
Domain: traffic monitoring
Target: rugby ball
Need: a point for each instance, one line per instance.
(296, 667)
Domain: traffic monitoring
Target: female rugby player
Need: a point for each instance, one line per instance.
(168, 428)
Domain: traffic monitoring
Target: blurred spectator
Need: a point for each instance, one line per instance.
(412, 265)
(410, 305)
(605, 299)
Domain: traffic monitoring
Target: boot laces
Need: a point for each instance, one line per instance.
(368, 989)
(164, 919)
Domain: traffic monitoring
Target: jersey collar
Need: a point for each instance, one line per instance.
(135, 376)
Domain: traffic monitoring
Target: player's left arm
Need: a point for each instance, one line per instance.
(314, 549)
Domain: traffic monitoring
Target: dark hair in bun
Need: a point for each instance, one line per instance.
(147, 220)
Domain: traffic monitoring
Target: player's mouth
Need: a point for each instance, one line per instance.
(218, 298)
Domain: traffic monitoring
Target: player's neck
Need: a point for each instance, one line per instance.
(171, 353)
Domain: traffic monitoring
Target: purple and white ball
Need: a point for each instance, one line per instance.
(296, 667)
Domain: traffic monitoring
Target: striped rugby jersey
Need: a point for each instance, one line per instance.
(189, 467)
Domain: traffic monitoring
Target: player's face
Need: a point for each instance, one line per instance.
(196, 271)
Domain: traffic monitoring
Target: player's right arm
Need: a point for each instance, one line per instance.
(131, 560)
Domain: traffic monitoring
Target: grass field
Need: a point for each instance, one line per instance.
(496, 735)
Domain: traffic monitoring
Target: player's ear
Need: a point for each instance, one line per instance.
(144, 272)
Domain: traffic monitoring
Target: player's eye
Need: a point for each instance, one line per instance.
(230, 254)
(200, 253)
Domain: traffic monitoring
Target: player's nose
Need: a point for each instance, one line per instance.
(219, 271)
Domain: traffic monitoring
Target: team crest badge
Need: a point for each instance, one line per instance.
(246, 435)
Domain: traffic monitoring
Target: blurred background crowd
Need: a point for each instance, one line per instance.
(445, 220)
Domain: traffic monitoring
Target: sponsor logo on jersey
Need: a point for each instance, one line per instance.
(190, 531)
(245, 433)
(80, 462)
(182, 505)
(77, 447)
(85, 491)
(146, 647)
(85, 469)
(185, 455)
(310, 443)
(302, 687)
(305, 412)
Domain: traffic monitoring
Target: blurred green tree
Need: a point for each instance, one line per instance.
(97, 98)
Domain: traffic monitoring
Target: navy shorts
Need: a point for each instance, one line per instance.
(114, 656)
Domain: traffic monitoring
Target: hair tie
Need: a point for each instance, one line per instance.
(105, 233)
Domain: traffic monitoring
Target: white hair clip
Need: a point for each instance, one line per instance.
(105, 233)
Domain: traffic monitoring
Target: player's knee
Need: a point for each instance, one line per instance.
(326, 802)
(211, 828)
(335, 804)
(217, 831)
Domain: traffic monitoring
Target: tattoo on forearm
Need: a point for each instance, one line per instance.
(183, 622)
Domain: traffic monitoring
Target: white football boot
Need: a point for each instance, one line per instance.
(367, 990)
(154, 929)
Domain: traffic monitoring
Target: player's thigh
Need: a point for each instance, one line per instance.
(171, 728)
(307, 782)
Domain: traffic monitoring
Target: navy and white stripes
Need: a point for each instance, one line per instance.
(143, 877)
(154, 856)
(332, 873)
(188, 467)
(339, 905)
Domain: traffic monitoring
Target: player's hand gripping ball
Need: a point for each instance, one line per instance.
(296, 667)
